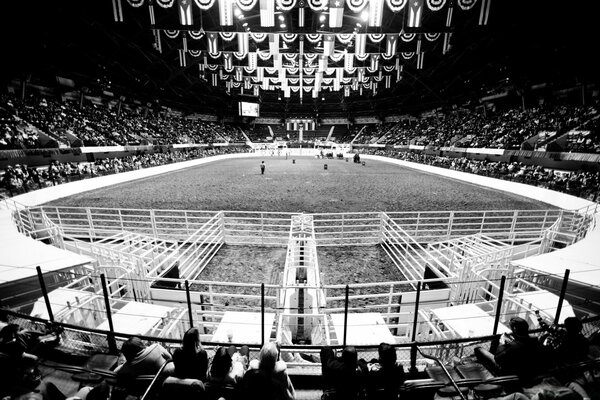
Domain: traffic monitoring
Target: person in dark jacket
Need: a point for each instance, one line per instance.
(341, 375)
(385, 375)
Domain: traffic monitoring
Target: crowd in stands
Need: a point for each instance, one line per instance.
(65, 123)
(505, 129)
(581, 183)
(19, 178)
(555, 360)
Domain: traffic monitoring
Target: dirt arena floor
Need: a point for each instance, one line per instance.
(304, 186)
(301, 187)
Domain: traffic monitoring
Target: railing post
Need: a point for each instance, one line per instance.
(262, 314)
(346, 313)
(189, 303)
(112, 345)
(398, 317)
(499, 304)
(413, 348)
(563, 291)
(45, 293)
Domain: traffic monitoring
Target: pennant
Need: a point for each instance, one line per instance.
(185, 12)
(420, 57)
(226, 12)
(238, 74)
(346, 91)
(399, 69)
(184, 44)
(117, 10)
(348, 62)
(328, 44)
(415, 12)
(273, 43)
(374, 62)
(391, 43)
(252, 61)
(449, 17)
(301, 17)
(212, 42)
(485, 12)
(360, 43)
(446, 47)
(213, 79)
(336, 13)
(182, 60)
(375, 13)
(256, 90)
(267, 13)
(157, 43)
(243, 43)
(388, 81)
(227, 62)
(151, 13)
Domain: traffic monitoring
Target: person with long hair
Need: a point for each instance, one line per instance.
(267, 378)
(191, 360)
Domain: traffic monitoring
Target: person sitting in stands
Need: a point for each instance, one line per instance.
(383, 374)
(191, 360)
(517, 354)
(267, 378)
(140, 360)
(341, 375)
(573, 346)
(228, 366)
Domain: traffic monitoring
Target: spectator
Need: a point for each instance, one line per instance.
(341, 375)
(140, 360)
(228, 366)
(516, 354)
(267, 377)
(384, 374)
(191, 360)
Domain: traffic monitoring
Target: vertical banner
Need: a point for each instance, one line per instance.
(375, 12)
(267, 13)
(391, 43)
(336, 13)
(243, 38)
(226, 12)
(360, 43)
(185, 12)
(415, 13)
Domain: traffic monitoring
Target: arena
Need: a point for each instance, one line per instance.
(358, 199)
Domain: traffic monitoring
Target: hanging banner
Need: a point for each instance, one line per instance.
(267, 13)
(204, 4)
(243, 43)
(258, 37)
(196, 35)
(286, 5)
(435, 5)
(318, 5)
(328, 44)
(376, 37)
(348, 61)
(246, 5)
(229, 36)
(395, 5)
(289, 37)
(212, 38)
(336, 13)
(171, 34)
(356, 6)
(391, 43)
(360, 43)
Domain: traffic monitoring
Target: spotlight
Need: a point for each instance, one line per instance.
(237, 12)
(281, 18)
(358, 25)
(282, 26)
(322, 17)
(245, 24)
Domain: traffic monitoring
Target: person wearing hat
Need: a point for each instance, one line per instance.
(516, 353)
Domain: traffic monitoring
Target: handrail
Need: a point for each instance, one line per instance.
(154, 380)
(452, 381)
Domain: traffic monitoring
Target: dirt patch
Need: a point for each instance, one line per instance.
(243, 264)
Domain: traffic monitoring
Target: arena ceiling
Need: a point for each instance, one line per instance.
(302, 57)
